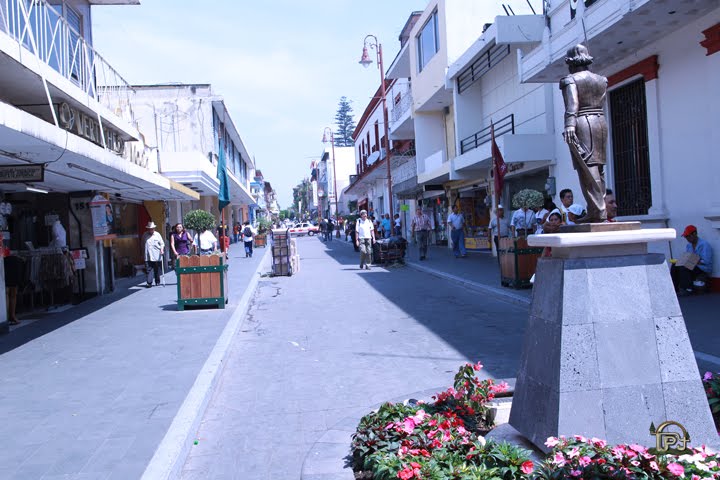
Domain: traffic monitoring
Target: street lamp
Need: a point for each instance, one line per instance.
(371, 41)
(329, 131)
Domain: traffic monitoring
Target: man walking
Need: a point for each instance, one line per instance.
(248, 232)
(456, 221)
(364, 239)
(420, 228)
(330, 228)
(154, 247)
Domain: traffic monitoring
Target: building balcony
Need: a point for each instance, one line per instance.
(401, 122)
(47, 63)
(615, 31)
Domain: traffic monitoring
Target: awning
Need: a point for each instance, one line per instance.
(185, 191)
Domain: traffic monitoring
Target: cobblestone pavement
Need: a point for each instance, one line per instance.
(331, 341)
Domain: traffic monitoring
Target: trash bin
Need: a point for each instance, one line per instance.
(201, 280)
(518, 262)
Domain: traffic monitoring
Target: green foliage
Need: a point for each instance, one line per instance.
(528, 198)
(264, 225)
(439, 440)
(345, 125)
(199, 220)
(352, 206)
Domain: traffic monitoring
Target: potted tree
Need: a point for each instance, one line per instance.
(263, 227)
(201, 279)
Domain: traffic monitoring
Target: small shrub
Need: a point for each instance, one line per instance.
(199, 220)
(528, 198)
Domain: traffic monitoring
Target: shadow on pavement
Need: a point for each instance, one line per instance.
(46, 322)
(478, 327)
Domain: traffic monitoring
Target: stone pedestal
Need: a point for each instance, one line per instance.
(606, 351)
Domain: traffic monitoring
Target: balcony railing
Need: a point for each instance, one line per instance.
(502, 126)
(43, 30)
(400, 107)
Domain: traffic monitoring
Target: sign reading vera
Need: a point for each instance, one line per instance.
(21, 173)
(103, 218)
(75, 121)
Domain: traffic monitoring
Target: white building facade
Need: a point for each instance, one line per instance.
(663, 66)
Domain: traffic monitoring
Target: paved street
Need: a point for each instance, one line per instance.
(89, 393)
(330, 343)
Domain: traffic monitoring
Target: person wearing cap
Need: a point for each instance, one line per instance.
(154, 247)
(574, 212)
(364, 239)
(683, 278)
(498, 227)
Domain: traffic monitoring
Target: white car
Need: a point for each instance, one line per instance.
(304, 228)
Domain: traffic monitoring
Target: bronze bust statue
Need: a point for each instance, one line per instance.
(586, 130)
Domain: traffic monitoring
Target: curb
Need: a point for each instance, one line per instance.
(171, 454)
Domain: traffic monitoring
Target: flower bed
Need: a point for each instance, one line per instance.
(443, 440)
(711, 383)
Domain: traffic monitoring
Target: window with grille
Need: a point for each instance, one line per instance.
(631, 157)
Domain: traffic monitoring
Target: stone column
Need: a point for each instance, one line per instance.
(606, 350)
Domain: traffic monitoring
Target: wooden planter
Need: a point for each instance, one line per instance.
(260, 240)
(201, 280)
(518, 262)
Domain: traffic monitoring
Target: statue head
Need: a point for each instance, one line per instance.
(578, 56)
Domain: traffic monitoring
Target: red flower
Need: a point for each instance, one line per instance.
(406, 473)
(527, 467)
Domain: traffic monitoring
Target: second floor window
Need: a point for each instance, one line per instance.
(428, 41)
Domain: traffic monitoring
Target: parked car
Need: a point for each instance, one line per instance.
(304, 228)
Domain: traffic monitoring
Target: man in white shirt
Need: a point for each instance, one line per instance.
(205, 243)
(523, 222)
(499, 227)
(154, 247)
(456, 221)
(364, 239)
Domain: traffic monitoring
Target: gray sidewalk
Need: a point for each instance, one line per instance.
(323, 347)
(481, 271)
(90, 392)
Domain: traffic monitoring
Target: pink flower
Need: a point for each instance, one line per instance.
(676, 469)
(419, 416)
(654, 466)
(580, 438)
(389, 426)
(559, 459)
(707, 376)
(575, 473)
(638, 448)
(551, 442)
(574, 452)
(598, 442)
(406, 473)
(584, 461)
(408, 425)
(527, 467)
(477, 366)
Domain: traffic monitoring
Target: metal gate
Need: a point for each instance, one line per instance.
(631, 158)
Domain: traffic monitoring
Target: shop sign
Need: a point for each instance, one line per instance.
(21, 173)
(79, 256)
(73, 120)
(103, 218)
(514, 167)
(404, 207)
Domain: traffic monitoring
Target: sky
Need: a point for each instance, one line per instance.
(280, 65)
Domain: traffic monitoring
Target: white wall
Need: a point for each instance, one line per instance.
(682, 108)
(429, 137)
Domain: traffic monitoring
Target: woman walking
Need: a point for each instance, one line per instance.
(180, 241)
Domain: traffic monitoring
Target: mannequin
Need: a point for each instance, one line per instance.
(59, 235)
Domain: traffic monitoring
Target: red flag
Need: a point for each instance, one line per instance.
(499, 165)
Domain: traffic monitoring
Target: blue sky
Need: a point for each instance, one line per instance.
(281, 65)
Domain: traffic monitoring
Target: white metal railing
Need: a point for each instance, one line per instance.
(42, 29)
(402, 106)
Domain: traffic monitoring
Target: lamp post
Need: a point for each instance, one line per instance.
(327, 131)
(371, 41)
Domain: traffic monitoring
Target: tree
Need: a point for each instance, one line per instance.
(345, 125)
